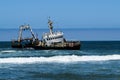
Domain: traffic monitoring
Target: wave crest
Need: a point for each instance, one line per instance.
(59, 59)
(8, 51)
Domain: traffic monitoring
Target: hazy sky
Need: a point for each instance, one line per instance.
(64, 13)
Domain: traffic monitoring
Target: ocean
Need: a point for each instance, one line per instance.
(96, 60)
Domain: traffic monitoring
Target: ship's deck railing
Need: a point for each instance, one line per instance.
(57, 33)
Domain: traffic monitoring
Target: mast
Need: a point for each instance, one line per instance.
(50, 25)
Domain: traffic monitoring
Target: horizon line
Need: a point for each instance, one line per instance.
(71, 28)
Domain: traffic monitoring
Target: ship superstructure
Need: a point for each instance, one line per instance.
(52, 37)
(56, 40)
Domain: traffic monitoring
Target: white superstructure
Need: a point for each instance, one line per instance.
(52, 37)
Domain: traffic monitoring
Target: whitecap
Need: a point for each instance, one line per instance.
(59, 59)
(8, 51)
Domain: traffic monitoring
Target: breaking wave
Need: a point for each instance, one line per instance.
(59, 59)
(8, 51)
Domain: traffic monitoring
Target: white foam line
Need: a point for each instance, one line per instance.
(59, 59)
(8, 51)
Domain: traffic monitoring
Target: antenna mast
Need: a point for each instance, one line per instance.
(50, 25)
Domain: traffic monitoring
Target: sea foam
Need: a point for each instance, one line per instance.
(8, 51)
(59, 59)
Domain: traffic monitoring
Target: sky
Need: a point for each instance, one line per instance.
(64, 13)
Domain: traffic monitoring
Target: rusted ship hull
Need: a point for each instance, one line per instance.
(26, 43)
(21, 46)
(56, 48)
(70, 45)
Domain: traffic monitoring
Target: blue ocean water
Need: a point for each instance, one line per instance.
(111, 34)
(96, 60)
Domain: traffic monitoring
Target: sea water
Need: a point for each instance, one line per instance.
(96, 60)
